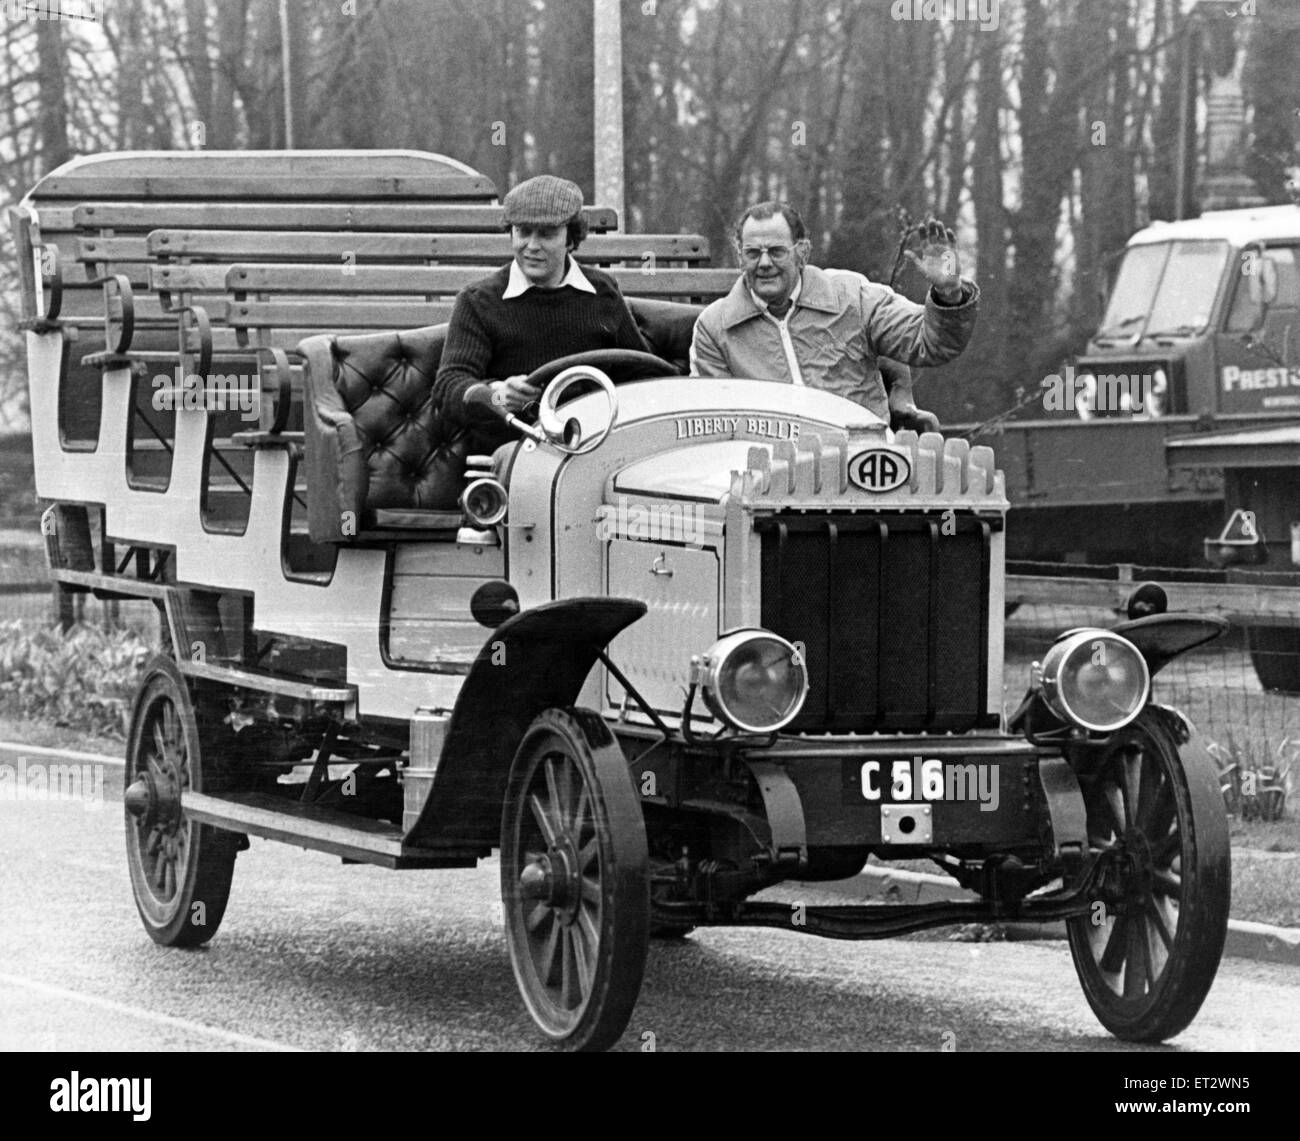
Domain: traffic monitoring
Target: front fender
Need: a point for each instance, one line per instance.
(1160, 638)
(531, 662)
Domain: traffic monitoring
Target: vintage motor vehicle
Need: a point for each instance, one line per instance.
(700, 639)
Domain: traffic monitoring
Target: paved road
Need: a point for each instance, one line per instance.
(316, 955)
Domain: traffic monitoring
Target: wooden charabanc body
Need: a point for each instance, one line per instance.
(706, 636)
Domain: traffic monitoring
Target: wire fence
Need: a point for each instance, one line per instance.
(1216, 686)
(28, 596)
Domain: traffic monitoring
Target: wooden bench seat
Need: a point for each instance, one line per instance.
(387, 248)
(97, 257)
(144, 217)
(287, 185)
(228, 271)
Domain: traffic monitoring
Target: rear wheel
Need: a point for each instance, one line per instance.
(574, 879)
(1148, 949)
(180, 870)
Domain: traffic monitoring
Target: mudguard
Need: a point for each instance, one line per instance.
(531, 662)
(1160, 638)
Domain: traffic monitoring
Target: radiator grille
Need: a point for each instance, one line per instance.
(892, 612)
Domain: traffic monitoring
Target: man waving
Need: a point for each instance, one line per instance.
(788, 321)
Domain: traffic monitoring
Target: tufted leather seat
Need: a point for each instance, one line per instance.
(380, 464)
(378, 460)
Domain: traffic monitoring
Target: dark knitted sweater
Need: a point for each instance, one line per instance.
(490, 338)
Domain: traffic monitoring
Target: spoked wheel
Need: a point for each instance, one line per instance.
(180, 870)
(574, 879)
(1148, 949)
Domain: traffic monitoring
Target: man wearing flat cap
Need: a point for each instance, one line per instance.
(538, 308)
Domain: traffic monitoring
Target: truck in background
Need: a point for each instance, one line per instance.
(1197, 335)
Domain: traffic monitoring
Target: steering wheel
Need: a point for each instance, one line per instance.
(645, 363)
(558, 376)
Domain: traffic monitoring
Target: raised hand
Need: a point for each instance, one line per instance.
(937, 258)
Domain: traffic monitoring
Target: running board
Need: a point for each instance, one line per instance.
(356, 839)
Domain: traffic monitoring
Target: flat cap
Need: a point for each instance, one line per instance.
(542, 201)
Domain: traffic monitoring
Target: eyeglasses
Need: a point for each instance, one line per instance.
(752, 255)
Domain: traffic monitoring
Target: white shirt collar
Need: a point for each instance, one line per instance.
(794, 296)
(520, 284)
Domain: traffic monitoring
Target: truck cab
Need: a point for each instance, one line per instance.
(1198, 323)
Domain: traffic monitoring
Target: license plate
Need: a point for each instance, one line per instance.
(919, 780)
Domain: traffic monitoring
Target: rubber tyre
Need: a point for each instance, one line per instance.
(180, 871)
(1147, 952)
(575, 885)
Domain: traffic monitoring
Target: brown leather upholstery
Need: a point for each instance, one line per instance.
(378, 459)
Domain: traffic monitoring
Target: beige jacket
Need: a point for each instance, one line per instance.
(840, 324)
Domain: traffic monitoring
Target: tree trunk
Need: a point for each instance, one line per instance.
(132, 133)
(986, 358)
(298, 15)
(1106, 183)
(199, 67)
(52, 127)
(232, 30)
(955, 175)
(1049, 132)
(564, 125)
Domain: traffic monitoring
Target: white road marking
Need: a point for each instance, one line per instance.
(42, 751)
(147, 1015)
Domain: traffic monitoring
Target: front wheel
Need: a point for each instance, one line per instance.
(1148, 949)
(574, 879)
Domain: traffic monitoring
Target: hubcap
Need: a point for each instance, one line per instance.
(553, 878)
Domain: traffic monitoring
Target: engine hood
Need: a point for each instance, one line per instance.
(700, 472)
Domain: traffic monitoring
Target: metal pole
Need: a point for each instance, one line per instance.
(608, 119)
(284, 56)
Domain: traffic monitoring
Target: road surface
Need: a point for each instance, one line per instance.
(316, 955)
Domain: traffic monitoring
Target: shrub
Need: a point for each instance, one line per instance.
(83, 680)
